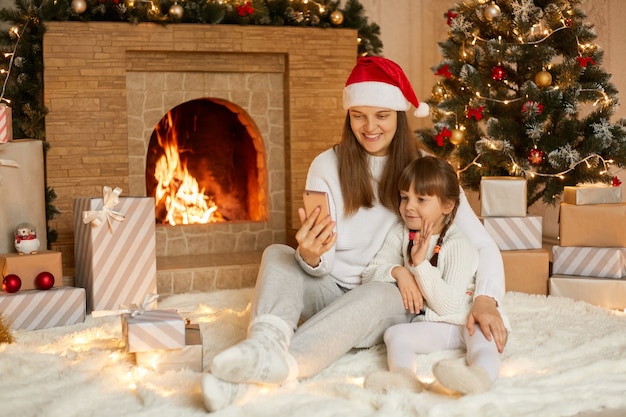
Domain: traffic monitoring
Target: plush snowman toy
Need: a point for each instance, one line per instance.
(26, 241)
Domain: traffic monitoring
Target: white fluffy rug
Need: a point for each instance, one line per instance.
(563, 358)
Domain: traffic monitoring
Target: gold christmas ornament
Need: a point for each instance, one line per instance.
(438, 91)
(457, 137)
(336, 18)
(543, 79)
(176, 11)
(79, 6)
(492, 12)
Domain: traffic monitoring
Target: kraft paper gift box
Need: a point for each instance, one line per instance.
(22, 179)
(27, 267)
(115, 249)
(526, 270)
(592, 225)
(6, 123)
(42, 309)
(503, 197)
(602, 292)
(592, 194)
(591, 262)
(515, 233)
(189, 357)
(152, 330)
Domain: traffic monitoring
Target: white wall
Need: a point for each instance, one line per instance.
(411, 29)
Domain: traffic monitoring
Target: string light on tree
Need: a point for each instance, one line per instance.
(336, 17)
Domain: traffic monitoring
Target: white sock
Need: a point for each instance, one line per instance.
(218, 394)
(459, 377)
(262, 357)
(389, 381)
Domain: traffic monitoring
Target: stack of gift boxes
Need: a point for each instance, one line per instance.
(27, 302)
(503, 212)
(589, 264)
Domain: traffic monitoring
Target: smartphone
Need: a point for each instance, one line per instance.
(313, 199)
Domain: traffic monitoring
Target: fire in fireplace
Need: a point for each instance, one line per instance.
(205, 164)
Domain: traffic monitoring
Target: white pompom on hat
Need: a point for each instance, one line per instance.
(379, 82)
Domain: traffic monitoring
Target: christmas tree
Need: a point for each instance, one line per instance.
(522, 93)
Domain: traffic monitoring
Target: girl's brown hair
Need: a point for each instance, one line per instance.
(354, 174)
(432, 176)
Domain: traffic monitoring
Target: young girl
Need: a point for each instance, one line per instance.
(429, 257)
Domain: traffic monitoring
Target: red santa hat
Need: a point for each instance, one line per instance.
(378, 82)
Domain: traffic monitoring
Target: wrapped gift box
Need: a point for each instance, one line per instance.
(115, 259)
(35, 309)
(592, 194)
(515, 233)
(153, 329)
(6, 123)
(23, 190)
(190, 356)
(526, 270)
(27, 267)
(592, 225)
(591, 262)
(503, 197)
(608, 293)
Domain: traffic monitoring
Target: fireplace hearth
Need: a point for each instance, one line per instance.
(108, 85)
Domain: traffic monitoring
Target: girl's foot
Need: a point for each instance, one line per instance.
(459, 377)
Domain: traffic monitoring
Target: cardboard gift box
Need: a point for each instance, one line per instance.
(115, 249)
(608, 293)
(27, 267)
(592, 194)
(189, 356)
(42, 309)
(503, 197)
(591, 262)
(515, 233)
(6, 123)
(22, 177)
(526, 270)
(153, 329)
(592, 225)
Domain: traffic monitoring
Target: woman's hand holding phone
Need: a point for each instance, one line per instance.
(316, 235)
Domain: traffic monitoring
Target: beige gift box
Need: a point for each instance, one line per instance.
(526, 270)
(503, 197)
(602, 292)
(153, 329)
(591, 262)
(592, 194)
(189, 356)
(515, 233)
(592, 225)
(27, 267)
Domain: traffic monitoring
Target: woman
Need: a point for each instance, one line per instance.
(320, 281)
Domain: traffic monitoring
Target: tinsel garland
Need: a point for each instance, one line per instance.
(5, 332)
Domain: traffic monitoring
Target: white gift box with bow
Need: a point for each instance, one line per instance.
(115, 249)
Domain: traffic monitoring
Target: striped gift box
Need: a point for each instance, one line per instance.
(153, 329)
(6, 124)
(35, 309)
(589, 262)
(116, 262)
(515, 233)
(189, 357)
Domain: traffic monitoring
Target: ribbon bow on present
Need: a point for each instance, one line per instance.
(109, 200)
(147, 304)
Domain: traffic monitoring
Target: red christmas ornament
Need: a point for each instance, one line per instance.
(498, 73)
(583, 61)
(444, 70)
(450, 15)
(445, 133)
(11, 283)
(616, 182)
(535, 156)
(44, 281)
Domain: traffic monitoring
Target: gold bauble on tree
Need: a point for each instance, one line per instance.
(336, 17)
(176, 11)
(492, 12)
(438, 91)
(543, 79)
(79, 6)
(457, 137)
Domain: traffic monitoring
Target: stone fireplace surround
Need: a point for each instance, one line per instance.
(107, 85)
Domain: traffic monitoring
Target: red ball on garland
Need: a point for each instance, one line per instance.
(11, 283)
(44, 281)
(535, 156)
(498, 73)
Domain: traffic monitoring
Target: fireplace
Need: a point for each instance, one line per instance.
(108, 85)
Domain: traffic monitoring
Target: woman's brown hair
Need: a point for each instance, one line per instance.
(354, 174)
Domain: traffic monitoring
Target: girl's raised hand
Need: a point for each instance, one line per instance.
(315, 239)
(420, 243)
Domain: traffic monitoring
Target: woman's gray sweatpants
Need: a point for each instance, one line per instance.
(336, 319)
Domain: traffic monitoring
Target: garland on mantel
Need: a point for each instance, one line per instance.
(22, 51)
